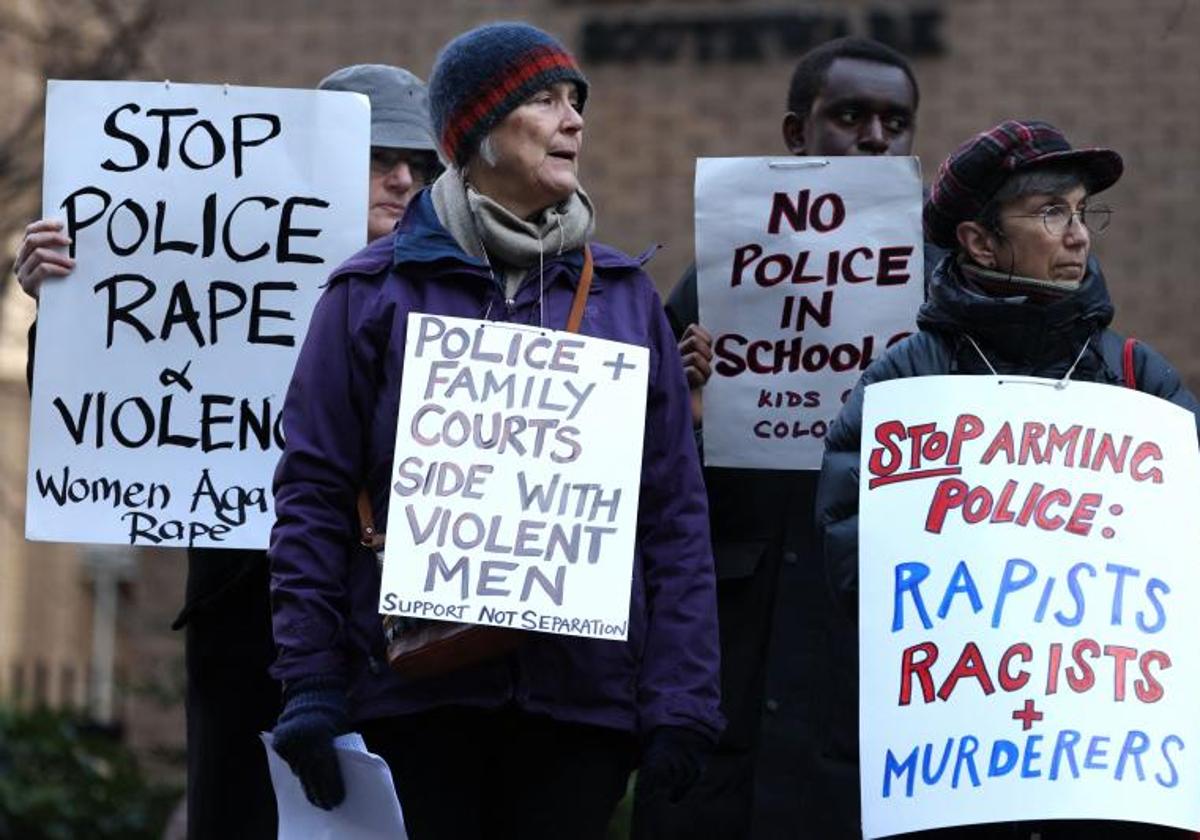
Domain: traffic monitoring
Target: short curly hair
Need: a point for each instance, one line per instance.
(809, 75)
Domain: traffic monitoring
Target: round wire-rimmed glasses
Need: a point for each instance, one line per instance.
(1057, 217)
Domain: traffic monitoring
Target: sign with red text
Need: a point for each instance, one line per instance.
(1029, 604)
(514, 493)
(204, 220)
(808, 270)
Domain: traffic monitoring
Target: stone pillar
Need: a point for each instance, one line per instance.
(107, 566)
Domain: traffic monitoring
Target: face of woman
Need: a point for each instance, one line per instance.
(1030, 249)
(536, 150)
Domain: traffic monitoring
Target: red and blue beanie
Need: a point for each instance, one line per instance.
(967, 180)
(481, 76)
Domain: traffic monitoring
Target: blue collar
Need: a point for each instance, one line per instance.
(421, 237)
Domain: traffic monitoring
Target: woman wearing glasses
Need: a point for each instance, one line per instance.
(1017, 294)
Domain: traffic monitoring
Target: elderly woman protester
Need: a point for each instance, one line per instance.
(540, 742)
(1017, 294)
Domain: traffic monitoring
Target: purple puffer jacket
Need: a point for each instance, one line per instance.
(340, 423)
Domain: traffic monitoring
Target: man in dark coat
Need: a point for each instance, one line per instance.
(227, 612)
(1016, 294)
(851, 96)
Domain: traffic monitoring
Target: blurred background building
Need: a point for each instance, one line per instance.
(671, 81)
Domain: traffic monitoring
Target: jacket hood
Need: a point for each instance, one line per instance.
(1017, 329)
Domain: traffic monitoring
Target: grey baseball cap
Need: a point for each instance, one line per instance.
(399, 104)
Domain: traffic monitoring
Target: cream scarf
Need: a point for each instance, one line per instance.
(510, 245)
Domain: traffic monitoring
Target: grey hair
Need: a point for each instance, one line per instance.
(487, 151)
(1050, 179)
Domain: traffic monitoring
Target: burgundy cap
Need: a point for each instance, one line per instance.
(967, 180)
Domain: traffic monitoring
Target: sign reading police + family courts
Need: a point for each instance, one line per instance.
(1028, 604)
(808, 269)
(204, 220)
(514, 496)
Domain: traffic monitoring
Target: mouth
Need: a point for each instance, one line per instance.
(1070, 271)
(565, 154)
(391, 207)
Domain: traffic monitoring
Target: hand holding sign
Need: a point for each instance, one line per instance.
(41, 255)
(695, 351)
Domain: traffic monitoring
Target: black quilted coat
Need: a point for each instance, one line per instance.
(1017, 338)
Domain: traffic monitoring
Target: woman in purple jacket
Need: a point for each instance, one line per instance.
(539, 743)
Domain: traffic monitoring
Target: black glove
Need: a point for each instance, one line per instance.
(314, 712)
(671, 763)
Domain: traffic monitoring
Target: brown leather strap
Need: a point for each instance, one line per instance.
(581, 292)
(366, 522)
(366, 519)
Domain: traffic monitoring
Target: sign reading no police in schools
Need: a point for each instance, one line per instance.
(808, 269)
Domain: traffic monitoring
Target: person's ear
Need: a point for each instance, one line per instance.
(978, 243)
(793, 133)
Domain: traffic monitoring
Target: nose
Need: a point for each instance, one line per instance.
(1076, 233)
(572, 120)
(399, 178)
(871, 138)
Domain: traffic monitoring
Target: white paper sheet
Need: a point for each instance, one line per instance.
(370, 810)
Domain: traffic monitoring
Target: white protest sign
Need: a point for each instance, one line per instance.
(1029, 604)
(808, 269)
(205, 219)
(515, 483)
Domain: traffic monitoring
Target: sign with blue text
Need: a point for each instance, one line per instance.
(203, 220)
(1029, 604)
(514, 496)
(808, 269)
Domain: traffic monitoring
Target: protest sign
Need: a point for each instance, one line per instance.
(514, 494)
(808, 269)
(1028, 604)
(204, 220)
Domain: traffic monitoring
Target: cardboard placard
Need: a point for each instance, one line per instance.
(516, 477)
(808, 269)
(204, 220)
(1028, 604)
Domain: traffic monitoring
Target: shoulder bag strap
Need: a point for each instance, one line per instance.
(1127, 367)
(581, 292)
(368, 536)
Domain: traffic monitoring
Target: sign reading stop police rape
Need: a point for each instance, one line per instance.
(808, 269)
(517, 467)
(1029, 604)
(204, 220)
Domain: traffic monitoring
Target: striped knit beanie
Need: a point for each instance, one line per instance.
(484, 74)
(967, 180)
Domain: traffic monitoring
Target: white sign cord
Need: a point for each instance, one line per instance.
(1058, 384)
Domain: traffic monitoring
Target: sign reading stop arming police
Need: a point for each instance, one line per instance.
(204, 220)
(514, 492)
(1028, 595)
(808, 269)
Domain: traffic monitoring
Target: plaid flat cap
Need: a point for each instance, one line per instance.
(967, 180)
